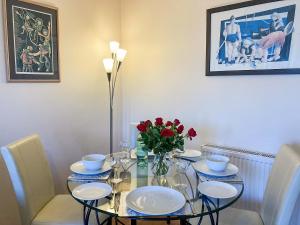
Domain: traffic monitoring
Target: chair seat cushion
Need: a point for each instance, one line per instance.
(233, 216)
(63, 210)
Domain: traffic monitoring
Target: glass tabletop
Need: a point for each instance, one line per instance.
(186, 181)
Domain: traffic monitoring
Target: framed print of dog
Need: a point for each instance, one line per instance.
(31, 33)
(254, 38)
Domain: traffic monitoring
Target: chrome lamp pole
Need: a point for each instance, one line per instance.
(112, 67)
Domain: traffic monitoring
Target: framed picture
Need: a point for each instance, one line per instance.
(31, 33)
(254, 38)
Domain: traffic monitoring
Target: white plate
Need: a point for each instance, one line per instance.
(190, 153)
(155, 200)
(202, 167)
(216, 189)
(92, 191)
(79, 168)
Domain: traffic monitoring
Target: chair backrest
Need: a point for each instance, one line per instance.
(30, 175)
(283, 187)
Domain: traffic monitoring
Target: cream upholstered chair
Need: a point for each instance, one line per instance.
(280, 196)
(33, 185)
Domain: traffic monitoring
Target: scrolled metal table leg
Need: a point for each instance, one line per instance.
(133, 222)
(87, 213)
(97, 215)
(84, 208)
(217, 213)
(109, 221)
(183, 222)
(207, 201)
(118, 221)
(202, 210)
(212, 220)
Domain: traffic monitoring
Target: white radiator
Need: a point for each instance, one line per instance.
(254, 168)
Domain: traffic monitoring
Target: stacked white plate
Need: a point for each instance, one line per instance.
(202, 167)
(216, 189)
(79, 168)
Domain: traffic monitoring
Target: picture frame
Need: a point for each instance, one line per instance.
(259, 37)
(31, 41)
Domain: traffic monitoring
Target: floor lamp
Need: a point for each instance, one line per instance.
(112, 66)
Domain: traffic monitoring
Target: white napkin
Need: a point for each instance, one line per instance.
(84, 178)
(232, 179)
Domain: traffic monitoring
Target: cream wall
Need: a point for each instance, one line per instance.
(165, 76)
(72, 116)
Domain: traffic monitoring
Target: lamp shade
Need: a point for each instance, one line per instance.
(108, 65)
(114, 46)
(121, 53)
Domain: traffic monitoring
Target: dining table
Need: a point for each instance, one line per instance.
(181, 177)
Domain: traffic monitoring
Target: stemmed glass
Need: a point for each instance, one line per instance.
(125, 155)
(182, 165)
(114, 160)
(180, 184)
(110, 159)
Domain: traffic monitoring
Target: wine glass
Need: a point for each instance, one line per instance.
(180, 183)
(110, 159)
(182, 165)
(125, 155)
(116, 179)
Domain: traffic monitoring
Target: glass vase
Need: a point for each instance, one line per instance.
(142, 155)
(160, 166)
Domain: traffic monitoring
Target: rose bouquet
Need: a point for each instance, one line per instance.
(163, 138)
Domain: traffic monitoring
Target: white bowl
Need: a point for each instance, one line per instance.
(93, 161)
(217, 162)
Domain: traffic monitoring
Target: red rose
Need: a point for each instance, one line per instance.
(167, 133)
(148, 123)
(159, 121)
(169, 124)
(176, 122)
(142, 127)
(192, 133)
(180, 129)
